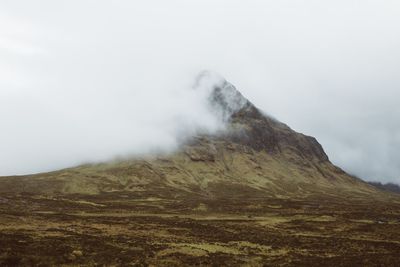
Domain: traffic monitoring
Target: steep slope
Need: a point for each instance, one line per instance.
(254, 155)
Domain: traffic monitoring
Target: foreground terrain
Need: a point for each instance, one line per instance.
(141, 230)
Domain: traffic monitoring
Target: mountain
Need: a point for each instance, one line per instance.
(255, 154)
(255, 193)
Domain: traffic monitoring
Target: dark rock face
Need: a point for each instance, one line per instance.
(250, 127)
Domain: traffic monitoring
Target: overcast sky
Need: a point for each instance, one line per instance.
(90, 80)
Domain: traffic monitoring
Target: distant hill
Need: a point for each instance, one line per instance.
(387, 187)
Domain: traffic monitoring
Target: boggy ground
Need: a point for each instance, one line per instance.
(129, 229)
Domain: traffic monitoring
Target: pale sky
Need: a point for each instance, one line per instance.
(91, 80)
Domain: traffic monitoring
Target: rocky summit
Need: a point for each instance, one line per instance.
(256, 193)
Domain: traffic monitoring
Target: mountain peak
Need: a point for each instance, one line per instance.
(250, 127)
(227, 100)
(223, 97)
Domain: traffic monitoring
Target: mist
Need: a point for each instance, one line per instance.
(91, 80)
